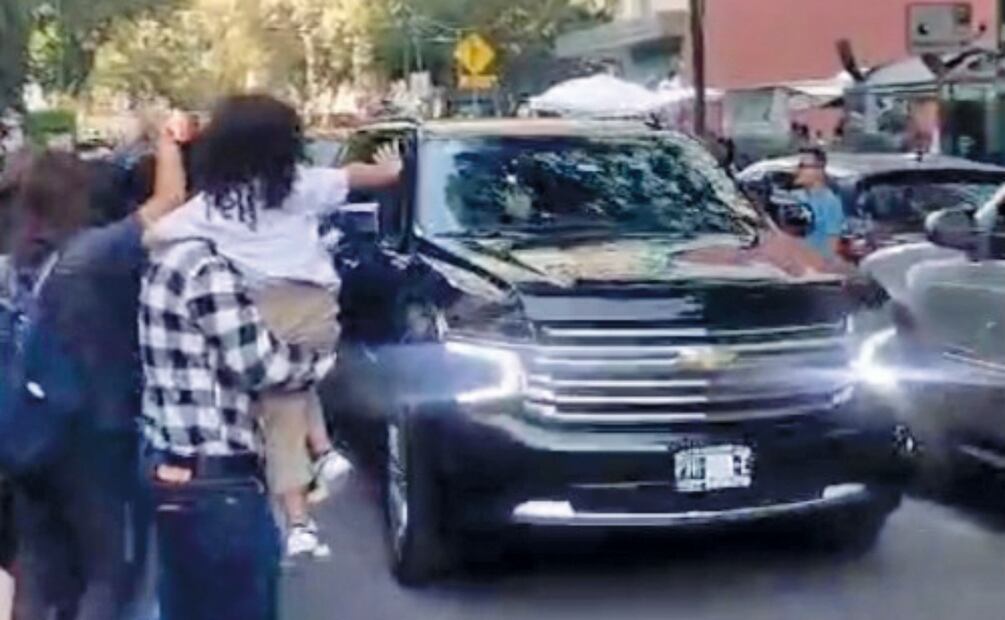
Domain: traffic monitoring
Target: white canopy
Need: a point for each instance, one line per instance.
(675, 91)
(597, 96)
(827, 89)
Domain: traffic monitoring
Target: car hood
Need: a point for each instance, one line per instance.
(500, 289)
(890, 267)
(632, 261)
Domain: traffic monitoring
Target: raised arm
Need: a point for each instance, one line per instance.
(251, 355)
(169, 181)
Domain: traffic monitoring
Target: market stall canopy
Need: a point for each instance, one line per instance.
(906, 73)
(602, 96)
(826, 90)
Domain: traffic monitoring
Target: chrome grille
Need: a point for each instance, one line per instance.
(662, 373)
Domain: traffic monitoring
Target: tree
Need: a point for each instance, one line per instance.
(307, 49)
(15, 26)
(67, 33)
(414, 33)
(144, 60)
(188, 53)
(193, 52)
(334, 43)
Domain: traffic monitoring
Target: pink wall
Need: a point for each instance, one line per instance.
(758, 42)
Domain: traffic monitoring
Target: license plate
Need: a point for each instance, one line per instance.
(713, 468)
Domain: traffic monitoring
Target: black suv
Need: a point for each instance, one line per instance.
(585, 325)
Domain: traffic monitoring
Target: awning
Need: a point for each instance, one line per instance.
(597, 96)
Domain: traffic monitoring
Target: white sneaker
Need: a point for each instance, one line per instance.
(303, 540)
(333, 469)
(317, 492)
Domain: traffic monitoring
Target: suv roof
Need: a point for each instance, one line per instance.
(519, 127)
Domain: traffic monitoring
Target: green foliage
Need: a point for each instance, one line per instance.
(193, 53)
(429, 29)
(41, 126)
(193, 50)
(66, 34)
(48, 53)
(15, 25)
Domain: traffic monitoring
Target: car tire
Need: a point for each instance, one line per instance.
(414, 507)
(853, 531)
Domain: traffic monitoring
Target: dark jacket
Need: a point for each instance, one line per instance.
(92, 298)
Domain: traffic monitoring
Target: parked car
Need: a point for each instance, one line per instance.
(946, 354)
(886, 196)
(568, 324)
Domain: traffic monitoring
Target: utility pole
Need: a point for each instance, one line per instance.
(697, 16)
(1000, 27)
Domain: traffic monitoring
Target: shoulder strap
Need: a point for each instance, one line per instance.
(43, 273)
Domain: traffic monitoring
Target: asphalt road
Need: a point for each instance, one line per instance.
(934, 562)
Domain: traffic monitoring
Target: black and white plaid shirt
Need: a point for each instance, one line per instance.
(206, 353)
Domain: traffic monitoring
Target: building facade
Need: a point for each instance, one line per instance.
(644, 43)
(754, 43)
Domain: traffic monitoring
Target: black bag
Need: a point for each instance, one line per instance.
(41, 391)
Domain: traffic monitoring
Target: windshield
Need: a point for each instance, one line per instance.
(653, 185)
(911, 202)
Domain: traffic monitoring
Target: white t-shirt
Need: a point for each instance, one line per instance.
(283, 245)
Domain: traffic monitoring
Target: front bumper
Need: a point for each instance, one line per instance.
(563, 513)
(507, 467)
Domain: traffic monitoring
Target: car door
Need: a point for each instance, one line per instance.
(372, 265)
(960, 305)
(372, 269)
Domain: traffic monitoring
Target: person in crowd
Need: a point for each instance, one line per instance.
(8, 185)
(76, 516)
(207, 354)
(261, 210)
(828, 214)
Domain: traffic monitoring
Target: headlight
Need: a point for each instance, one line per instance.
(868, 366)
(489, 373)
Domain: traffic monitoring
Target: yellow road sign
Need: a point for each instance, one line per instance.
(477, 82)
(474, 54)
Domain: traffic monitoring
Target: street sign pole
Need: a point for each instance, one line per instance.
(998, 109)
(697, 11)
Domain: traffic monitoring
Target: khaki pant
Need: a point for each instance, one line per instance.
(307, 316)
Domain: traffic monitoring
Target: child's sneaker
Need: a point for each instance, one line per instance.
(333, 468)
(317, 492)
(303, 540)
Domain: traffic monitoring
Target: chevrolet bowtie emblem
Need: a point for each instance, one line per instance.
(706, 358)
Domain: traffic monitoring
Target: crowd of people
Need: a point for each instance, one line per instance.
(193, 307)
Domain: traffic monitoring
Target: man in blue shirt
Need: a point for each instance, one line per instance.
(828, 213)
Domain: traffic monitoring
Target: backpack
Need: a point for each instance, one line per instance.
(41, 386)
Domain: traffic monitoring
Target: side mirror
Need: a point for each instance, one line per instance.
(953, 228)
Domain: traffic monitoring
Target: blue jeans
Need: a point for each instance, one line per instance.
(80, 553)
(218, 549)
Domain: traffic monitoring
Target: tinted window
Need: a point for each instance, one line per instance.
(912, 202)
(362, 148)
